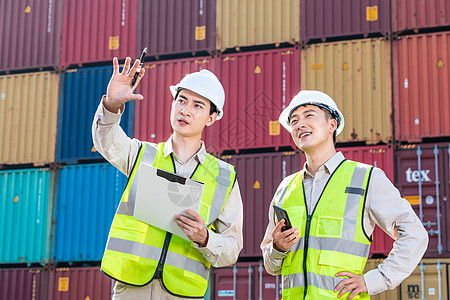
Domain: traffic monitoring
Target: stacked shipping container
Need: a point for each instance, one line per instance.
(405, 106)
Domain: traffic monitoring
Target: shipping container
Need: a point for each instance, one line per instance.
(30, 34)
(418, 14)
(258, 176)
(95, 31)
(245, 281)
(21, 284)
(248, 23)
(357, 75)
(152, 114)
(421, 76)
(320, 19)
(28, 118)
(80, 94)
(79, 283)
(25, 215)
(258, 86)
(87, 198)
(177, 26)
(422, 176)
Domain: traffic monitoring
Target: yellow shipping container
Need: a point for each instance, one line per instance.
(28, 118)
(242, 23)
(357, 75)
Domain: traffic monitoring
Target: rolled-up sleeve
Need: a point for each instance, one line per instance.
(112, 142)
(394, 215)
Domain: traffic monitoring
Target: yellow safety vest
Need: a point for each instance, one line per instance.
(136, 253)
(332, 238)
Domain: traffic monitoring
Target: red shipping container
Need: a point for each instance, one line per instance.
(21, 284)
(95, 31)
(245, 281)
(421, 76)
(427, 183)
(177, 26)
(79, 283)
(320, 19)
(259, 176)
(258, 86)
(30, 34)
(416, 14)
(152, 114)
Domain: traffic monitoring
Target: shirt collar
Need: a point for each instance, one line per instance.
(330, 165)
(200, 155)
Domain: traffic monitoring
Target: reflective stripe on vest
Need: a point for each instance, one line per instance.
(333, 244)
(319, 281)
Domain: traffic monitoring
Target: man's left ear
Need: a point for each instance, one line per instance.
(211, 119)
(333, 125)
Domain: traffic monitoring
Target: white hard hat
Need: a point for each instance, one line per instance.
(206, 84)
(316, 98)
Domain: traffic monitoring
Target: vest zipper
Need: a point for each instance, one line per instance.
(160, 267)
(305, 273)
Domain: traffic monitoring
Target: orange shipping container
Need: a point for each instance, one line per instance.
(28, 118)
(357, 75)
(247, 23)
(421, 86)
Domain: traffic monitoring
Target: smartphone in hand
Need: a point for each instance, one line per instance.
(282, 214)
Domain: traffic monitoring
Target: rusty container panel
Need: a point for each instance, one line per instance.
(177, 26)
(422, 173)
(152, 114)
(245, 281)
(417, 14)
(357, 75)
(387, 295)
(80, 233)
(243, 23)
(30, 34)
(79, 283)
(258, 85)
(258, 176)
(21, 284)
(322, 19)
(28, 118)
(25, 215)
(421, 76)
(95, 31)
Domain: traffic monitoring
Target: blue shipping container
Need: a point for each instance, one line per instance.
(87, 198)
(25, 215)
(80, 93)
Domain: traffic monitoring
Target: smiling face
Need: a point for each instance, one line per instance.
(312, 129)
(190, 114)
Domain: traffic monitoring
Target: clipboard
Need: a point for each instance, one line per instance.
(161, 195)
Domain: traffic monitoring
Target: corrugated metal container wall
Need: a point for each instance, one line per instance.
(30, 34)
(98, 30)
(247, 23)
(79, 283)
(357, 75)
(81, 92)
(21, 284)
(383, 158)
(177, 26)
(322, 19)
(259, 176)
(25, 214)
(387, 295)
(421, 86)
(416, 14)
(152, 115)
(422, 176)
(258, 85)
(81, 233)
(28, 118)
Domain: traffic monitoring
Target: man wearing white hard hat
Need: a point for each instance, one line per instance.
(148, 262)
(333, 205)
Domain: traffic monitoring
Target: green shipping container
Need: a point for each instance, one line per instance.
(25, 215)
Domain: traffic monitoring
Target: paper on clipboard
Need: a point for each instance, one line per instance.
(161, 195)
